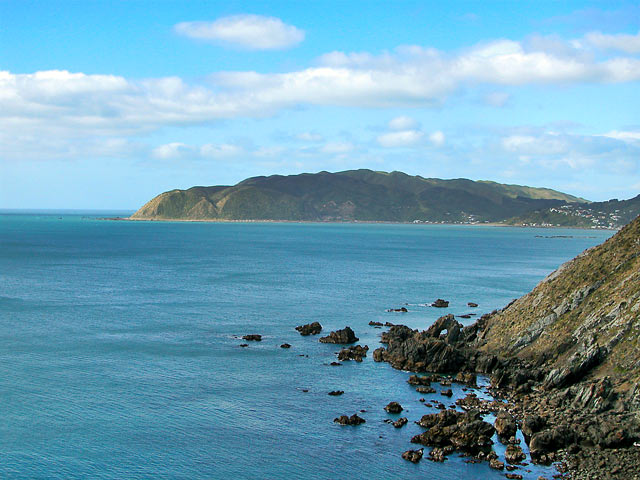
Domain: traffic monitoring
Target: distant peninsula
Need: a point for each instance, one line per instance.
(356, 195)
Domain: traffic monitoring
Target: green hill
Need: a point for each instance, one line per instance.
(354, 195)
(610, 214)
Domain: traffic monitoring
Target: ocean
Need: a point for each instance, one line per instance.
(120, 356)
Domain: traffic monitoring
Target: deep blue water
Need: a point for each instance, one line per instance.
(119, 354)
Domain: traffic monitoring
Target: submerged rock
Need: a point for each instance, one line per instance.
(343, 336)
(401, 309)
(252, 338)
(309, 329)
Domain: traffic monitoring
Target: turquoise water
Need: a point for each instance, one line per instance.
(119, 354)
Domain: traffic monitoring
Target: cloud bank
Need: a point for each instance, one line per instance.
(253, 32)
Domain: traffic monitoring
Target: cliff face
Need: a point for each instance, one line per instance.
(582, 322)
(362, 195)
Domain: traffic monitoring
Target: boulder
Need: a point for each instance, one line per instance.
(505, 425)
(472, 304)
(376, 324)
(285, 345)
(514, 455)
(343, 336)
(440, 303)
(335, 393)
(309, 329)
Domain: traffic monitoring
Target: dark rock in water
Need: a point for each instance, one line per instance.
(285, 345)
(413, 455)
(401, 309)
(401, 422)
(343, 336)
(440, 303)
(496, 464)
(472, 304)
(462, 431)
(464, 316)
(393, 407)
(375, 324)
(356, 352)
(513, 476)
(505, 426)
(437, 454)
(389, 324)
(305, 390)
(252, 338)
(446, 393)
(425, 389)
(466, 378)
(430, 350)
(243, 345)
(514, 455)
(378, 354)
(335, 393)
(309, 329)
(335, 364)
(352, 420)
(423, 380)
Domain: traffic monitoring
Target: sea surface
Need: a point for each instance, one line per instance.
(119, 342)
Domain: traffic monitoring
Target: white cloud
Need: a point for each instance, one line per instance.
(172, 151)
(338, 147)
(553, 150)
(44, 114)
(223, 150)
(253, 32)
(309, 137)
(632, 136)
(497, 99)
(402, 123)
(622, 42)
(404, 138)
(437, 138)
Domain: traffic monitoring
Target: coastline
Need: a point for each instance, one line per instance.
(352, 222)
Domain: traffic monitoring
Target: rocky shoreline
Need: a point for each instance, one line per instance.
(581, 425)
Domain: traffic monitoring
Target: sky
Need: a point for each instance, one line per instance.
(104, 105)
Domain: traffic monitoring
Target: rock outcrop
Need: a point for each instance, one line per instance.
(352, 420)
(355, 352)
(309, 329)
(343, 336)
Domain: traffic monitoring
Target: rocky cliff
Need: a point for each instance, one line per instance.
(565, 356)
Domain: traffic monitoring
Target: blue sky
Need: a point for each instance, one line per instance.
(106, 104)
